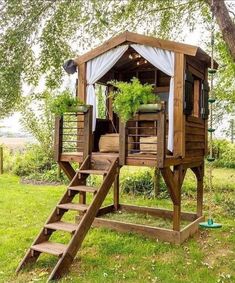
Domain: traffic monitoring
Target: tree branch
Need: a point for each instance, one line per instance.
(225, 23)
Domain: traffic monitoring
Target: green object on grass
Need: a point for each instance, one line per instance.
(210, 224)
(210, 159)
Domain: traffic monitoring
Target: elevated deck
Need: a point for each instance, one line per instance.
(135, 160)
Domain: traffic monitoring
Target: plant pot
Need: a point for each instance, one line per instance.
(148, 108)
(79, 108)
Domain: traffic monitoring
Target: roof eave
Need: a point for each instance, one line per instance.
(131, 37)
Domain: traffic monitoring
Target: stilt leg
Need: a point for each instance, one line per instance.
(116, 191)
(174, 181)
(176, 217)
(199, 197)
(199, 173)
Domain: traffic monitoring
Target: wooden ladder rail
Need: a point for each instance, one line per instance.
(31, 257)
(65, 261)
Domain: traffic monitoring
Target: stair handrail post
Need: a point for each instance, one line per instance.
(161, 134)
(88, 137)
(58, 137)
(123, 142)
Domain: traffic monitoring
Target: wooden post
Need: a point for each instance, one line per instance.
(199, 197)
(174, 181)
(156, 181)
(179, 117)
(116, 191)
(88, 132)
(123, 143)
(161, 141)
(199, 173)
(1, 160)
(58, 137)
(81, 94)
(82, 82)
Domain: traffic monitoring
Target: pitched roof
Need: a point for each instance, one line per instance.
(130, 37)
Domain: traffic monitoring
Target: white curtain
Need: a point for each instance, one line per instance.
(96, 69)
(164, 61)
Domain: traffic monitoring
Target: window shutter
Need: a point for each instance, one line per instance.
(204, 100)
(188, 93)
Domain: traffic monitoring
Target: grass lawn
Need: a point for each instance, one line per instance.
(108, 256)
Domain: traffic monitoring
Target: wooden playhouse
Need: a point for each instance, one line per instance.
(179, 75)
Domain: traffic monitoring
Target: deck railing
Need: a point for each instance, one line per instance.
(73, 133)
(144, 135)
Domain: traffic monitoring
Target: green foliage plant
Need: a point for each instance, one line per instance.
(63, 103)
(224, 152)
(129, 96)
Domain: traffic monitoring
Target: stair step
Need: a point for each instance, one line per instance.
(73, 206)
(93, 171)
(50, 248)
(83, 189)
(62, 226)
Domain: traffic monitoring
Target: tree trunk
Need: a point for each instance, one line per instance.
(225, 23)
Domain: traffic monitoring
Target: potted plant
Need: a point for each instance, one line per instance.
(129, 98)
(65, 102)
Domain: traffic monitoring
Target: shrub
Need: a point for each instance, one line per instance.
(229, 206)
(141, 183)
(33, 159)
(224, 152)
(35, 164)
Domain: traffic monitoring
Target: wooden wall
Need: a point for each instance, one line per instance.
(195, 126)
(194, 137)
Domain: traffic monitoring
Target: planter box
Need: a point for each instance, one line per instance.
(148, 108)
(79, 108)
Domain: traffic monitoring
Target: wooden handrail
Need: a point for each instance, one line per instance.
(87, 150)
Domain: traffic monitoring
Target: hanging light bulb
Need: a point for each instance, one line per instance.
(130, 56)
(137, 63)
(145, 61)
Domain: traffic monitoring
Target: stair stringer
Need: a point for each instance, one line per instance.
(32, 256)
(85, 224)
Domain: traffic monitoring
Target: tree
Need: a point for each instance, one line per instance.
(225, 22)
(38, 120)
(37, 35)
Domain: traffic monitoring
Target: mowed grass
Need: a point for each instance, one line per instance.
(108, 256)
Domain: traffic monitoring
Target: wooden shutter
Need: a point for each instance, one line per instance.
(204, 100)
(188, 93)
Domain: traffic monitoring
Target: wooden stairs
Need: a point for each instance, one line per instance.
(67, 253)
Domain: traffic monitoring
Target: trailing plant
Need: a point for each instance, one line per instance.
(129, 96)
(63, 102)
